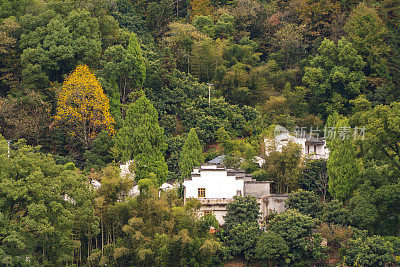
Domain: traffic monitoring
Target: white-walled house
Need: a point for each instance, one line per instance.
(126, 171)
(215, 186)
(219, 182)
(312, 147)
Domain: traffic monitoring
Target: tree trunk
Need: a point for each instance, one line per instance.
(102, 234)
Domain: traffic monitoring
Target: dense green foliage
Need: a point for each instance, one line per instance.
(142, 139)
(335, 76)
(369, 251)
(191, 154)
(241, 230)
(297, 230)
(343, 168)
(283, 166)
(242, 210)
(271, 247)
(123, 73)
(314, 177)
(157, 230)
(46, 209)
(187, 81)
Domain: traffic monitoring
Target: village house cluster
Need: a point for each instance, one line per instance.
(215, 185)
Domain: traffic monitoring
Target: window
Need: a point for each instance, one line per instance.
(207, 212)
(315, 149)
(308, 149)
(201, 192)
(239, 192)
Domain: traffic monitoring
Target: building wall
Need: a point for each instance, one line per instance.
(219, 215)
(222, 185)
(281, 141)
(216, 206)
(216, 182)
(273, 203)
(124, 170)
(321, 152)
(256, 189)
(268, 204)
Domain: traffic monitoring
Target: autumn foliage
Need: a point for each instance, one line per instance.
(82, 106)
(318, 16)
(200, 8)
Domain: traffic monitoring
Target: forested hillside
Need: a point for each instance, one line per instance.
(170, 84)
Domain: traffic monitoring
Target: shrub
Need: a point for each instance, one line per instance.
(297, 230)
(241, 239)
(370, 251)
(306, 202)
(271, 246)
(336, 235)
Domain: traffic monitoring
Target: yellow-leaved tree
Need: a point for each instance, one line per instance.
(82, 106)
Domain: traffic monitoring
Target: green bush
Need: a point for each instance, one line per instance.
(271, 246)
(370, 251)
(241, 239)
(260, 175)
(306, 202)
(297, 230)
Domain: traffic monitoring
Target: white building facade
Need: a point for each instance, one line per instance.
(313, 148)
(215, 186)
(218, 182)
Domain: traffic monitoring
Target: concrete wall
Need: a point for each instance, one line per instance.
(268, 204)
(274, 203)
(217, 206)
(256, 189)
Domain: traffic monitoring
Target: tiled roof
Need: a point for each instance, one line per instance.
(217, 160)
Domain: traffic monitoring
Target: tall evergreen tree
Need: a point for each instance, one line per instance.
(142, 139)
(191, 154)
(369, 35)
(343, 168)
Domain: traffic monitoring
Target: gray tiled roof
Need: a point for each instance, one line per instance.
(217, 160)
(313, 140)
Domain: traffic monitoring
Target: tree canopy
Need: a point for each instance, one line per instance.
(43, 205)
(89, 87)
(191, 154)
(82, 106)
(142, 139)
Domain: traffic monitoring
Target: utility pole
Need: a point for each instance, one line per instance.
(209, 94)
(9, 144)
